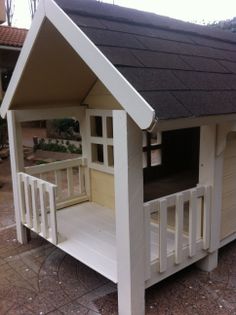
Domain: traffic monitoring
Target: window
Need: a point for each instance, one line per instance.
(100, 140)
(151, 149)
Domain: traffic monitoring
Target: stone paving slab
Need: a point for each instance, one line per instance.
(38, 278)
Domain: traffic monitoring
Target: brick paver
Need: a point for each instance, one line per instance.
(38, 278)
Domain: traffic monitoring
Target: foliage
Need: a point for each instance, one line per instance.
(33, 7)
(57, 146)
(229, 25)
(10, 8)
(66, 128)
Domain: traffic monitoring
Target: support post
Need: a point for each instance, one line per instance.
(17, 165)
(129, 214)
(210, 173)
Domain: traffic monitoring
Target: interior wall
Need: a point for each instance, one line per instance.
(102, 188)
(100, 98)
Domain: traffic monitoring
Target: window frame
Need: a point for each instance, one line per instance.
(105, 140)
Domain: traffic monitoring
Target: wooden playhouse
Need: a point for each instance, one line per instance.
(154, 190)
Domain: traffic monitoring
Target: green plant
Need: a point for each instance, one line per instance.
(56, 146)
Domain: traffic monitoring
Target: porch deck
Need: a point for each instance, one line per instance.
(87, 232)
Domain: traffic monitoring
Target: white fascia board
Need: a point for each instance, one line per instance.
(138, 109)
(22, 60)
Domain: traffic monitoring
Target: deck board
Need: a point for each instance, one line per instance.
(87, 232)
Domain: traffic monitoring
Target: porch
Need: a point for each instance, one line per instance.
(54, 204)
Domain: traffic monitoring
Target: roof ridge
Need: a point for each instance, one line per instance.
(117, 13)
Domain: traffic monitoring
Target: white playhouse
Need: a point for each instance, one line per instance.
(154, 190)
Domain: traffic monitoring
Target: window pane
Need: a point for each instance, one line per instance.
(96, 126)
(109, 127)
(155, 157)
(97, 153)
(110, 155)
(155, 138)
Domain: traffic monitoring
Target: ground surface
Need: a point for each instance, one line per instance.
(38, 278)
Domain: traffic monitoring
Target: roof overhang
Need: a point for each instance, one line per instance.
(53, 41)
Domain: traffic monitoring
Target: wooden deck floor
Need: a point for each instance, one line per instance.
(87, 232)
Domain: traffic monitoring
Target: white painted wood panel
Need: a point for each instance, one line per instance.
(228, 214)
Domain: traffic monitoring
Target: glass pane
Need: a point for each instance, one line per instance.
(155, 138)
(97, 153)
(110, 155)
(155, 157)
(96, 126)
(109, 127)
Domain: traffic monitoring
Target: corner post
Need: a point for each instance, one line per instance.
(17, 165)
(129, 214)
(210, 173)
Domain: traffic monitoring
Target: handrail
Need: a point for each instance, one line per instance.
(54, 166)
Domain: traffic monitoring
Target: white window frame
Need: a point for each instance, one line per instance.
(104, 140)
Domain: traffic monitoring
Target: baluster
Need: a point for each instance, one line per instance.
(163, 235)
(81, 180)
(44, 220)
(179, 220)
(70, 185)
(28, 204)
(192, 223)
(35, 206)
(53, 220)
(58, 181)
(22, 197)
(206, 217)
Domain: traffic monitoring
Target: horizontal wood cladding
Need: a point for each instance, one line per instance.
(228, 216)
(102, 188)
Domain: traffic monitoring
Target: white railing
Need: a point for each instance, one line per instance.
(70, 177)
(38, 206)
(193, 204)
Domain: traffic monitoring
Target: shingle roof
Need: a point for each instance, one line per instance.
(11, 36)
(181, 69)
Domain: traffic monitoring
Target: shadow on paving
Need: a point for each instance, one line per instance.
(38, 278)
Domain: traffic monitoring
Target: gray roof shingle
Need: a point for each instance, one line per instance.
(181, 69)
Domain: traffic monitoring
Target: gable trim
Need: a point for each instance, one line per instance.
(22, 60)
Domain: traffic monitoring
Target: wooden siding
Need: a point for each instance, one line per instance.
(100, 98)
(102, 188)
(228, 221)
